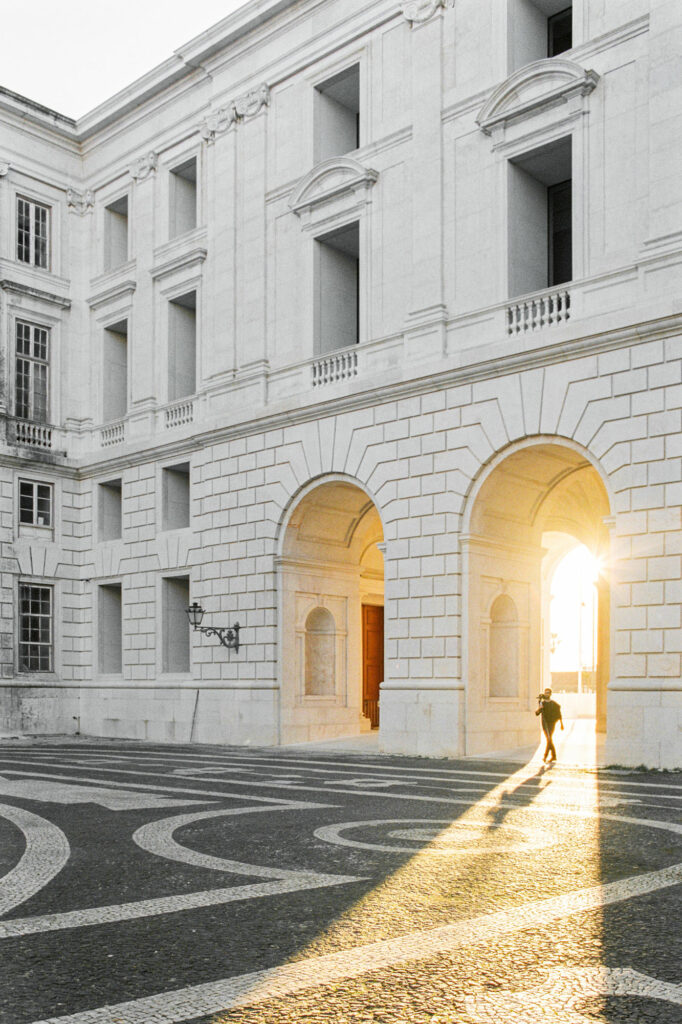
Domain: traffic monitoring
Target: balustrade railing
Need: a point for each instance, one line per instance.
(179, 414)
(113, 433)
(539, 311)
(334, 368)
(33, 435)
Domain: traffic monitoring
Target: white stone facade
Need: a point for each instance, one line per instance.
(191, 226)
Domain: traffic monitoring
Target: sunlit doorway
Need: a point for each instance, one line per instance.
(574, 586)
(331, 575)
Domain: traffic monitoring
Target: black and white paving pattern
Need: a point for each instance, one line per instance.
(162, 885)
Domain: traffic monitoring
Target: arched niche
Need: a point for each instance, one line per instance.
(503, 648)
(320, 656)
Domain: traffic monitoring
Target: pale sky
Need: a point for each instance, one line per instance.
(71, 55)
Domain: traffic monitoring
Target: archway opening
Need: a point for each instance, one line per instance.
(332, 596)
(537, 591)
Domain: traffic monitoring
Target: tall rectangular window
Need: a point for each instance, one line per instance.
(337, 293)
(35, 503)
(110, 517)
(31, 372)
(175, 496)
(182, 346)
(115, 372)
(560, 32)
(116, 233)
(110, 628)
(183, 198)
(540, 217)
(33, 233)
(35, 628)
(560, 240)
(337, 114)
(537, 29)
(176, 642)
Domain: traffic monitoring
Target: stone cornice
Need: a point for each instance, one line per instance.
(114, 291)
(547, 355)
(35, 293)
(532, 88)
(184, 260)
(329, 179)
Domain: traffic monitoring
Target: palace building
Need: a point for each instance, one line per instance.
(348, 323)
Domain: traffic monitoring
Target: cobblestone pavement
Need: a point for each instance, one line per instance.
(161, 885)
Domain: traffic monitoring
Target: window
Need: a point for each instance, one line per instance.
(337, 115)
(182, 346)
(115, 372)
(560, 32)
(175, 496)
(540, 219)
(33, 233)
(110, 518)
(35, 503)
(116, 233)
(110, 629)
(537, 29)
(176, 643)
(183, 198)
(32, 355)
(35, 628)
(337, 293)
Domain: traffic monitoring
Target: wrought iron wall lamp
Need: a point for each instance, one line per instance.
(228, 636)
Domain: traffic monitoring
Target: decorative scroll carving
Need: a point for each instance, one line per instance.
(252, 102)
(4, 168)
(80, 202)
(419, 11)
(219, 122)
(145, 166)
(244, 107)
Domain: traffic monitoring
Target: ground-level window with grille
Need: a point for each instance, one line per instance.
(32, 361)
(35, 628)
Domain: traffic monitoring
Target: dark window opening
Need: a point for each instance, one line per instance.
(560, 32)
(560, 235)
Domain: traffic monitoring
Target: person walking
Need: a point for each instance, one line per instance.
(551, 714)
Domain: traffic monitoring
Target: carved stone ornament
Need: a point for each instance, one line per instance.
(244, 107)
(218, 122)
(252, 102)
(80, 202)
(419, 11)
(145, 166)
(4, 168)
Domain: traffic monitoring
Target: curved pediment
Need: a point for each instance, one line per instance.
(329, 179)
(537, 85)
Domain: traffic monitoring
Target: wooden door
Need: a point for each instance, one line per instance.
(372, 660)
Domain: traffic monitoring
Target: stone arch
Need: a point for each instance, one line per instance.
(330, 569)
(531, 500)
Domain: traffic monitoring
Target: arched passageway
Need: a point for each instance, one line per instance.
(331, 573)
(530, 510)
